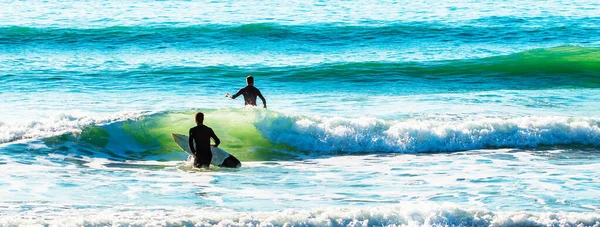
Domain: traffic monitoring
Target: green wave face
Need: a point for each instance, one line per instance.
(236, 130)
(558, 60)
(149, 137)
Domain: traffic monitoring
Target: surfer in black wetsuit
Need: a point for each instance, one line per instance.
(201, 134)
(250, 93)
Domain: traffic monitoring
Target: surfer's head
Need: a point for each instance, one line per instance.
(199, 118)
(250, 80)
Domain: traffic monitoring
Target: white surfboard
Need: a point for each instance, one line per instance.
(220, 157)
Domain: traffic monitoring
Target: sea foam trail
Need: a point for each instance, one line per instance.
(397, 215)
(371, 135)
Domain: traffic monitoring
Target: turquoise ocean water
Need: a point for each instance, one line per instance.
(381, 113)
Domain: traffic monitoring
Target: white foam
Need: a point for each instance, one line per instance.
(334, 134)
(427, 214)
(56, 125)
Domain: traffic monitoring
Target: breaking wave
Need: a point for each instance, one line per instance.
(270, 134)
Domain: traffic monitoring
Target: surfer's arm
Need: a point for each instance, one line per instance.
(235, 95)
(216, 139)
(263, 99)
(191, 143)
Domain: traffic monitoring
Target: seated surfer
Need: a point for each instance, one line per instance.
(201, 134)
(250, 93)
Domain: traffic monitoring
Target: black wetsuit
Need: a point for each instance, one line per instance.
(201, 136)
(250, 92)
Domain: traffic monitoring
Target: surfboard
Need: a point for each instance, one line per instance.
(220, 157)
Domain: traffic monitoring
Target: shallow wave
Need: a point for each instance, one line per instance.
(397, 215)
(492, 29)
(569, 66)
(580, 64)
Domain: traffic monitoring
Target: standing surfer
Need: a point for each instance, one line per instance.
(250, 93)
(201, 134)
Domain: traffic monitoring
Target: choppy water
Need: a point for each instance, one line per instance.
(380, 113)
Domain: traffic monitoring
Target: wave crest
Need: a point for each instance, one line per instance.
(54, 126)
(370, 135)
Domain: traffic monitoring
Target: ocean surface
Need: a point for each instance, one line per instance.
(380, 113)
